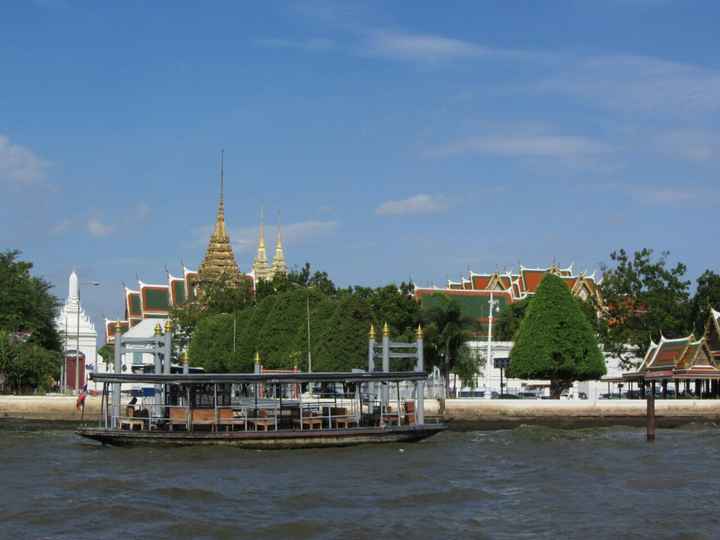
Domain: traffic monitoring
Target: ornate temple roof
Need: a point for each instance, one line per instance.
(219, 261)
(261, 268)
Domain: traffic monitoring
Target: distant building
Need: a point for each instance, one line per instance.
(155, 301)
(473, 292)
(79, 339)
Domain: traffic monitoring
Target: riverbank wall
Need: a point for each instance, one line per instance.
(459, 413)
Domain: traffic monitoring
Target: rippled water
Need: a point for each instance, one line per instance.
(528, 482)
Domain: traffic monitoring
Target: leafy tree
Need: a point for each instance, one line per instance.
(220, 296)
(26, 305)
(107, 353)
(27, 364)
(643, 297)
(555, 340)
(281, 325)
(322, 308)
(446, 331)
(250, 342)
(214, 343)
(343, 345)
(508, 320)
(707, 295)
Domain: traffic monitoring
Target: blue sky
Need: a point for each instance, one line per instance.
(395, 139)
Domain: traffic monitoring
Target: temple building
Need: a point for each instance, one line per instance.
(473, 292)
(156, 300)
(79, 339)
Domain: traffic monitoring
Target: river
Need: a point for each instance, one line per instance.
(528, 482)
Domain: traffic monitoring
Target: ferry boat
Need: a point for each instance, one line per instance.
(262, 410)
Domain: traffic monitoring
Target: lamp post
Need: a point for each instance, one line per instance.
(488, 357)
(77, 335)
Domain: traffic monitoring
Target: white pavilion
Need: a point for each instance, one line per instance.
(78, 335)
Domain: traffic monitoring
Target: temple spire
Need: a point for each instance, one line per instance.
(279, 266)
(261, 268)
(219, 258)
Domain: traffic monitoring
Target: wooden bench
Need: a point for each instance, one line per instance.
(345, 421)
(311, 422)
(130, 424)
(262, 424)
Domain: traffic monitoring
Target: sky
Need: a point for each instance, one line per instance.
(391, 140)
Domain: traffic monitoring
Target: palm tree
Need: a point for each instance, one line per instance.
(446, 331)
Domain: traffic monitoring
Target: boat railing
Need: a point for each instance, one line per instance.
(323, 413)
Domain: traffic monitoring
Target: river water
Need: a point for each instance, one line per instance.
(528, 482)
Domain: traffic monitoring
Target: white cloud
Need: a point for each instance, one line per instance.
(423, 47)
(677, 195)
(417, 204)
(523, 144)
(244, 239)
(20, 165)
(97, 228)
(639, 83)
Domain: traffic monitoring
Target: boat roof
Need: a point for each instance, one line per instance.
(245, 378)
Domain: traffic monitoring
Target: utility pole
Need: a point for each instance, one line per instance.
(488, 355)
(309, 353)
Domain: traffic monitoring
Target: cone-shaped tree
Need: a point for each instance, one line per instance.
(555, 340)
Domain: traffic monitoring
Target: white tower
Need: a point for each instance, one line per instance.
(78, 335)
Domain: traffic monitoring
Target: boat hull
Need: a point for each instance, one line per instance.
(265, 440)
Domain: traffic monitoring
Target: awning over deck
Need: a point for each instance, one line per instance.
(261, 378)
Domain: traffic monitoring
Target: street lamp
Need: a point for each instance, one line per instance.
(492, 303)
(77, 335)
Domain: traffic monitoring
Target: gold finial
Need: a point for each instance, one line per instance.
(257, 357)
(419, 332)
(386, 330)
(118, 327)
(372, 332)
(158, 329)
(168, 326)
(184, 358)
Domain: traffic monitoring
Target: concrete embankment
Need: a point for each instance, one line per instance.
(480, 413)
(60, 408)
(460, 413)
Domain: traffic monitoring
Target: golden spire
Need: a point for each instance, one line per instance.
(219, 258)
(279, 266)
(386, 330)
(419, 332)
(168, 326)
(372, 332)
(158, 330)
(260, 264)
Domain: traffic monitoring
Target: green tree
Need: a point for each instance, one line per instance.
(281, 325)
(643, 297)
(508, 320)
(446, 331)
(107, 353)
(26, 305)
(555, 340)
(214, 343)
(250, 338)
(707, 295)
(343, 345)
(27, 365)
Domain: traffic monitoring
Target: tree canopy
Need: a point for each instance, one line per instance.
(555, 340)
(643, 297)
(29, 343)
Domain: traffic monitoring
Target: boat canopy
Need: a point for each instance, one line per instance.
(250, 378)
